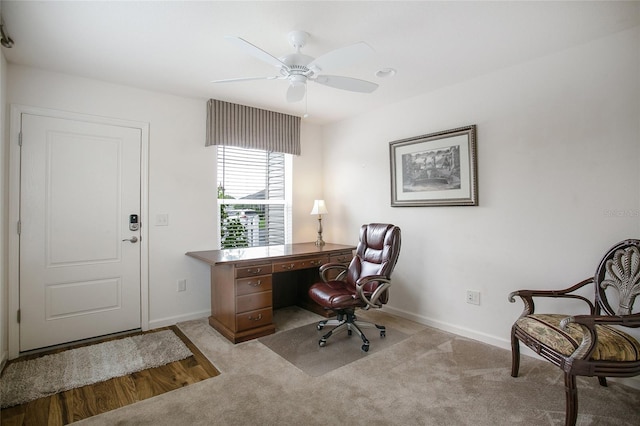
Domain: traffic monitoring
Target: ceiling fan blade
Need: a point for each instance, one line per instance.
(256, 52)
(346, 83)
(342, 57)
(295, 92)
(233, 80)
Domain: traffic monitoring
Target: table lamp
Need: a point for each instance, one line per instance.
(319, 208)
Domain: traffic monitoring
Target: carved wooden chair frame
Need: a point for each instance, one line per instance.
(598, 346)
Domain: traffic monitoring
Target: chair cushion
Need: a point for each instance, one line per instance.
(613, 344)
(334, 295)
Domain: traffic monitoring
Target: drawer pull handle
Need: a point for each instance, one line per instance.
(255, 284)
(314, 262)
(291, 266)
(254, 271)
(258, 318)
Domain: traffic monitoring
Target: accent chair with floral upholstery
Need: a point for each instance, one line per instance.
(587, 345)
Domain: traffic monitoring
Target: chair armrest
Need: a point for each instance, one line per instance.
(588, 325)
(330, 267)
(589, 339)
(528, 295)
(372, 301)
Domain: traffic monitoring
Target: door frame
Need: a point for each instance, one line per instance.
(14, 210)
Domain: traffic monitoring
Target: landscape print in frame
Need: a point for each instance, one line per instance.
(438, 169)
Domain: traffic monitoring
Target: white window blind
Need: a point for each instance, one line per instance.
(253, 197)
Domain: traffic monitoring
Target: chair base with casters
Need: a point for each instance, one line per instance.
(363, 284)
(593, 344)
(347, 321)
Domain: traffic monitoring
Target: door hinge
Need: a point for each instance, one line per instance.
(18, 316)
(19, 227)
(20, 139)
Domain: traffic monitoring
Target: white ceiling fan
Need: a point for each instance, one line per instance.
(299, 68)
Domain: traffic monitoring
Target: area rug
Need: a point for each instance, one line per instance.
(28, 380)
(300, 347)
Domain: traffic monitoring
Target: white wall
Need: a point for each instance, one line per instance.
(182, 178)
(307, 183)
(4, 196)
(558, 147)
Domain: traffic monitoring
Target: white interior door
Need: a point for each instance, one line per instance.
(79, 261)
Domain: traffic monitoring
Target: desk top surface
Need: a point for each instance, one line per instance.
(267, 253)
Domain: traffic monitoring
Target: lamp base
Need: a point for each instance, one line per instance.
(319, 241)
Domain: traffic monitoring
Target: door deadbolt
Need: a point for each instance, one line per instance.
(134, 223)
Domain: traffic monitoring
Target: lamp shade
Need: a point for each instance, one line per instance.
(319, 207)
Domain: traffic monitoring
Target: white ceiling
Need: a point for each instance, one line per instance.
(178, 47)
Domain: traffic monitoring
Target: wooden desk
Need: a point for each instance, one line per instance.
(248, 283)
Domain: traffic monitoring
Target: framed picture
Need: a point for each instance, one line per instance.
(438, 169)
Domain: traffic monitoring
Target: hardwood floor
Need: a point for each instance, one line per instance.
(77, 404)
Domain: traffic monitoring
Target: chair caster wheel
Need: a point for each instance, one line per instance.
(383, 333)
(322, 343)
(365, 348)
(320, 327)
(349, 332)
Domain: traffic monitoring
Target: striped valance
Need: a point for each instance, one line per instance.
(253, 128)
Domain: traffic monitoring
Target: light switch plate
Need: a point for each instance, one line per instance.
(162, 219)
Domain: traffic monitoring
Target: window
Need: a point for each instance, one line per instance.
(254, 197)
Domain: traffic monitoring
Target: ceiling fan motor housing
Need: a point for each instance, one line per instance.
(297, 61)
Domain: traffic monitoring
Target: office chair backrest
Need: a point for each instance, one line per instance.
(376, 254)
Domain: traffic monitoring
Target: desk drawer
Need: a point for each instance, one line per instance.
(254, 319)
(313, 262)
(252, 271)
(253, 285)
(341, 258)
(251, 302)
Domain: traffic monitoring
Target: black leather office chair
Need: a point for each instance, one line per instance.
(363, 284)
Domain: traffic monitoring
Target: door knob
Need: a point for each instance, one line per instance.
(133, 239)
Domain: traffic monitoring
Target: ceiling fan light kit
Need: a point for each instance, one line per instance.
(299, 68)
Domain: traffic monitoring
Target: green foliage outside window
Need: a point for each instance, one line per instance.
(233, 234)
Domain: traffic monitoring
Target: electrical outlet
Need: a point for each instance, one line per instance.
(473, 297)
(182, 285)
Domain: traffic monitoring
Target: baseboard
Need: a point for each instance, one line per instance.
(460, 331)
(165, 322)
(633, 382)
(3, 360)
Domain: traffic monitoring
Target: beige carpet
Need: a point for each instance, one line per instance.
(25, 381)
(300, 347)
(429, 378)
